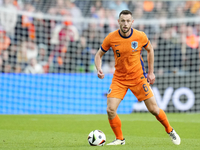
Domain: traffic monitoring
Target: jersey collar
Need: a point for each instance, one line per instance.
(125, 36)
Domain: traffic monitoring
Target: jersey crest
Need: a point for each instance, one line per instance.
(134, 44)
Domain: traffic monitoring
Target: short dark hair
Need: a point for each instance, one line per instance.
(125, 12)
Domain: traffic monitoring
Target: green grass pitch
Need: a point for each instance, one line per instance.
(69, 132)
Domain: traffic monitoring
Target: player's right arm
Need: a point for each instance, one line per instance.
(98, 57)
(98, 63)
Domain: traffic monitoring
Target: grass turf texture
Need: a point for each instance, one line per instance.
(69, 132)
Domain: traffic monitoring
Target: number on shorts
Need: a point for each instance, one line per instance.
(145, 88)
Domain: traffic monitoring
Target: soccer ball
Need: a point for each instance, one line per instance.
(96, 138)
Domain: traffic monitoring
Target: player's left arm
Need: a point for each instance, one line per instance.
(150, 59)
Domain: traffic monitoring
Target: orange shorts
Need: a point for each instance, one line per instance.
(139, 87)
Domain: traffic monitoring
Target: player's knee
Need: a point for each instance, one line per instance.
(111, 111)
(154, 110)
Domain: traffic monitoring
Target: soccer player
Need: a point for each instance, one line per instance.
(127, 44)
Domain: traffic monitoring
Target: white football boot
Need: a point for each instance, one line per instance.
(117, 142)
(175, 137)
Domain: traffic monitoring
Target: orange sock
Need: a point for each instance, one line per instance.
(116, 127)
(164, 121)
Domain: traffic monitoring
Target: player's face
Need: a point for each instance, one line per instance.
(125, 23)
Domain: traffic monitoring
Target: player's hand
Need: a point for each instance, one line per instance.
(151, 78)
(100, 74)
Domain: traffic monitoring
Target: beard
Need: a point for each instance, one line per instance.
(124, 30)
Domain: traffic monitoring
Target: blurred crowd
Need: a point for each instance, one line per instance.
(62, 36)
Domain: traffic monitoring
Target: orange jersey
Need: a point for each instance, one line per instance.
(127, 52)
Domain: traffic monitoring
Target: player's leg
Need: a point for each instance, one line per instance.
(143, 92)
(114, 120)
(162, 118)
(115, 95)
(159, 113)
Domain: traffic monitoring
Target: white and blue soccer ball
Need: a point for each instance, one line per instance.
(96, 138)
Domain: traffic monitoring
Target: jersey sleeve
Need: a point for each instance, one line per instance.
(106, 44)
(145, 40)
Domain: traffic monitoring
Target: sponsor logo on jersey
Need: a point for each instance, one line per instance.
(134, 44)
